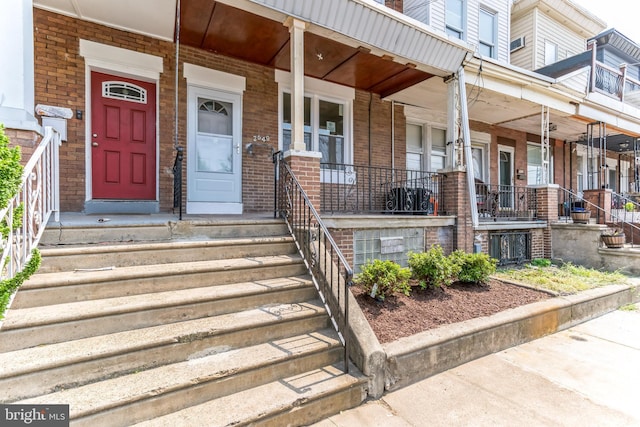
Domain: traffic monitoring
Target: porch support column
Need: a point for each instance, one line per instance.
(17, 69)
(454, 153)
(547, 210)
(466, 137)
(296, 39)
(304, 164)
(600, 197)
(456, 202)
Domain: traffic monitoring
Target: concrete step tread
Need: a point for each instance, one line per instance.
(36, 359)
(108, 274)
(213, 364)
(177, 244)
(251, 406)
(73, 311)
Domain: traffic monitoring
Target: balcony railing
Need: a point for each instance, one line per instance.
(506, 202)
(616, 83)
(379, 190)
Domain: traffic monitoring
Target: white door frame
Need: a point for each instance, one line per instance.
(201, 78)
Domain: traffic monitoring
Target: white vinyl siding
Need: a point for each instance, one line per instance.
(437, 15)
(523, 27)
(550, 30)
(417, 9)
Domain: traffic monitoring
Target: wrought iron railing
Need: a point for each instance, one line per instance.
(616, 83)
(177, 180)
(331, 273)
(570, 204)
(375, 190)
(506, 202)
(37, 198)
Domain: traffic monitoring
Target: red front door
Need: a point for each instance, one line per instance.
(123, 143)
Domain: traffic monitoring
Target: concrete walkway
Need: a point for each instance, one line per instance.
(588, 375)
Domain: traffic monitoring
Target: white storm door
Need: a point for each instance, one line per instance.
(214, 167)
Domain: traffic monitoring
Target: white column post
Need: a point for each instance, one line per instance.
(17, 69)
(454, 154)
(296, 30)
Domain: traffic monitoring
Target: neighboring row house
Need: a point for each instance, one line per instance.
(409, 107)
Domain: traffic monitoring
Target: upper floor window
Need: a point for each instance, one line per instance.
(455, 18)
(487, 33)
(550, 53)
(417, 9)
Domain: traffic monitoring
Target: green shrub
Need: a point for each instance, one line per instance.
(541, 262)
(383, 278)
(474, 268)
(10, 170)
(433, 268)
(9, 286)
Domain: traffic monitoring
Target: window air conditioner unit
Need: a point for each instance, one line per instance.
(517, 44)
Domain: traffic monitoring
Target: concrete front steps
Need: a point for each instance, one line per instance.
(165, 332)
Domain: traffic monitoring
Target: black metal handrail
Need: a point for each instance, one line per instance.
(370, 189)
(177, 179)
(329, 269)
(506, 202)
(569, 203)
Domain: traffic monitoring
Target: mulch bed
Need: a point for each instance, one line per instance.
(400, 316)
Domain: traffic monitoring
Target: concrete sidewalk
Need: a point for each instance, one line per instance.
(588, 375)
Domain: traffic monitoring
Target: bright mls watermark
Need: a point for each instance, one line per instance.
(34, 415)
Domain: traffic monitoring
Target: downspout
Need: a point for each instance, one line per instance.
(393, 134)
(370, 147)
(175, 137)
(466, 137)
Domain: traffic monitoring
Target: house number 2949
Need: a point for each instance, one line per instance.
(259, 138)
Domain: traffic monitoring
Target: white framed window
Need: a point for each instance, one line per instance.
(426, 147)
(455, 18)
(550, 52)
(417, 9)
(479, 158)
(535, 170)
(327, 119)
(487, 32)
(580, 173)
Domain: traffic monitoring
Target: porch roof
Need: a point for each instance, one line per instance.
(356, 43)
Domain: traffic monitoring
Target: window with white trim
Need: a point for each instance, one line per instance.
(487, 33)
(550, 52)
(426, 147)
(535, 171)
(327, 120)
(455, 18)
(479, 158)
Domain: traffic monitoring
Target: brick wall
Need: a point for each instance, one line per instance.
(26, 140)
(60, 81)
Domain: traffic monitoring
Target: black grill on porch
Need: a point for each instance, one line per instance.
(506, 202)
(379, 190)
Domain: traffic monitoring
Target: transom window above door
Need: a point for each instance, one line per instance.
(125, 91)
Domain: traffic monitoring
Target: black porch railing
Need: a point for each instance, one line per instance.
(375, 190)
(506, 202)
(177, 180)
(330, 271)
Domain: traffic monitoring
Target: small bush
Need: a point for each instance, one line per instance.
(433, 268)
(10, 170)
(541, 262)
(474, 268)
(629, 207)
(387, 277)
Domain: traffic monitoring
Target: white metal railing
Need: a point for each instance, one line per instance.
(39, 197)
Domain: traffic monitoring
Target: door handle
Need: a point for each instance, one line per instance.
(238, 148)
(94, 144)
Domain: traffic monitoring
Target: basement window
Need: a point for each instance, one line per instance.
(124, 91)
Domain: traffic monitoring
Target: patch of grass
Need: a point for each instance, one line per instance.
(564, 279)
(629, 307)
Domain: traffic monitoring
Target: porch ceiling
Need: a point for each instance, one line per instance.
(224, 29)
(491, 107)
(155, 18)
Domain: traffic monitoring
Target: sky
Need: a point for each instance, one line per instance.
(619, 14)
